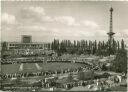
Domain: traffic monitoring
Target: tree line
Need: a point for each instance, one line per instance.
(100, 48)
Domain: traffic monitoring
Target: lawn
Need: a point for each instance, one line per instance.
(31, 67)
(118, 88)
(59, 66)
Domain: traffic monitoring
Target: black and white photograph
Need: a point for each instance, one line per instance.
(53, 45)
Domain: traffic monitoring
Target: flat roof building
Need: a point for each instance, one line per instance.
(26, 39)
(26, 43)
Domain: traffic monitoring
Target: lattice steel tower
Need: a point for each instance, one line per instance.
(111, 33)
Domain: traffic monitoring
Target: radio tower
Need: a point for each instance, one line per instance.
(111, 33)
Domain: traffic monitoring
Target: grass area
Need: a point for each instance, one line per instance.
(10, 68)
(31, 67)
(118, 88)
(59, 66)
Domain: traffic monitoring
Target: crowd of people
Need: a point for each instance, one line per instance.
(41, 73)
(95, 84)
(49, 59)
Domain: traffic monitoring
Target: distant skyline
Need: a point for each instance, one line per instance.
(44, 21)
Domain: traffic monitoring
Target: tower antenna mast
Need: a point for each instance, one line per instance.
(110, 33)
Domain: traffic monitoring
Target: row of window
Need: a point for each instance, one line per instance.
(29, 45)
(29, 48)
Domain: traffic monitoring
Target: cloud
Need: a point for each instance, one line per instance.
(47, 19)
(90, 24)
(38, 14)
(77, 34)
(68, 20)
(38, 10)
(100, 32)
(32, 28)
(29, 12)
(92, 29)
(33, 14)
(8, 18)
(124, 33)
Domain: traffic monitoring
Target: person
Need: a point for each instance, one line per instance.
(119, 78)
(95, 88)
(97, 82)
(89, 86)
(51, 89)
(83, 84)
(116, 79)
(102, 85)
(123, 75)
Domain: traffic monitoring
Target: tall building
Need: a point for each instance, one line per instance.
(26, 38)
(111, 33)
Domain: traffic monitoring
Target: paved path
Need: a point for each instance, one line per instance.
(21, 67)
(38, 67)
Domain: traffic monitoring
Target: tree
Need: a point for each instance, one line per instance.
(104, 68)
(99, 48)
(122, 44)
(114, 47)
(3, 49)
(70, 77)
(62, 47)
(120, 62)
(74, 43)
(95, 47)
(87, 47)
(118, 45)
(55, 45)
(4, 46)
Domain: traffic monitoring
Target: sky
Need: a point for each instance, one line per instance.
(78, 20)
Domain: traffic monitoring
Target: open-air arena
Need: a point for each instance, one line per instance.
(63, 46)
